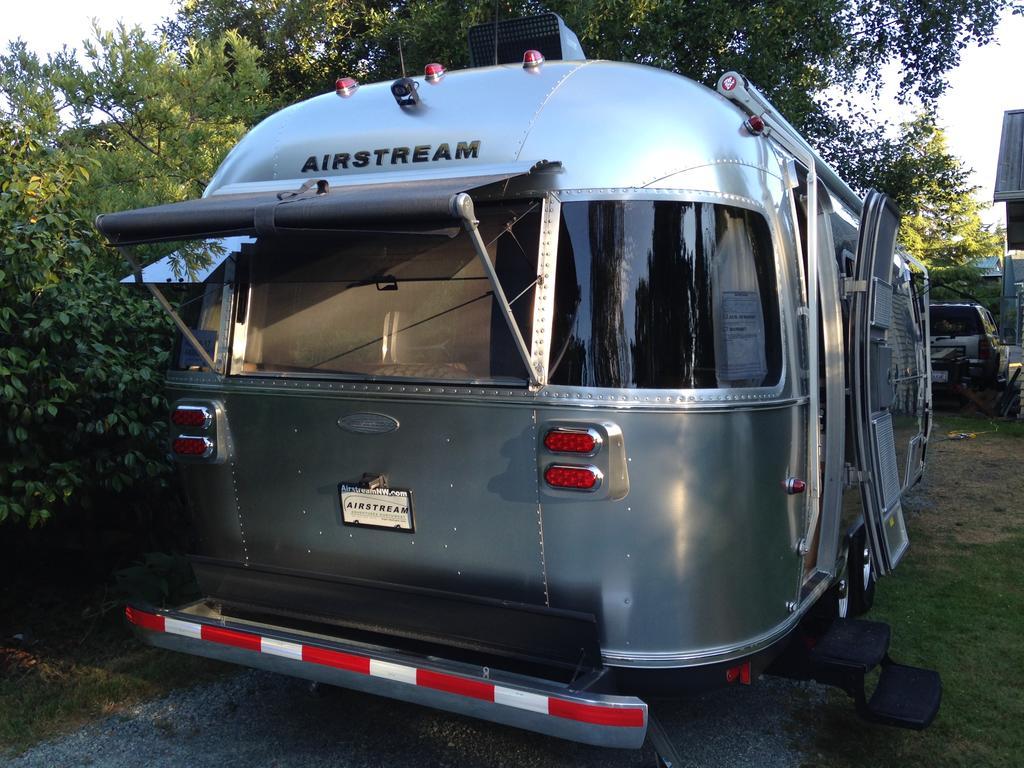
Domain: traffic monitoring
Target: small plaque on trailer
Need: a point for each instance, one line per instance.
(388, 508)
(940, 377)
(188, 357)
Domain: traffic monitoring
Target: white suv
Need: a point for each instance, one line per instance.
(971, 329)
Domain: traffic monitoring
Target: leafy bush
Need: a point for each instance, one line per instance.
(81, 358)
(160, 579)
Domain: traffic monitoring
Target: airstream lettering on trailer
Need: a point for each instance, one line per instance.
(419, 153)
(538, 433)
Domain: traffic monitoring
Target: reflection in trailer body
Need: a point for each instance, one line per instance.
(535, 434)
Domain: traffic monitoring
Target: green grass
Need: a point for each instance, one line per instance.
(959, 608)
(945, 423)
(73, 670)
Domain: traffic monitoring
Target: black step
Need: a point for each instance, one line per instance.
(907, 697)
(852, 644)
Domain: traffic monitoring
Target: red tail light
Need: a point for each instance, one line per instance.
(185, 445)
(191, 416)
(984, 348)
(739, 673)
(573, 478)
(567, 440)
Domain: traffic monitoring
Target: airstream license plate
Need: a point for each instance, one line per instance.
(389, 508)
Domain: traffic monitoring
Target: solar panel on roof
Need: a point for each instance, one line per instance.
(542, 33)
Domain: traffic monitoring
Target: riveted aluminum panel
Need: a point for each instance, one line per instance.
(491, 106)
(697, 561)
(700, 557)
(210, 488)
(685, 126)
(471, 470)
(517, 117)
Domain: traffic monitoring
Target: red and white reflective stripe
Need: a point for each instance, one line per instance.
(593, 714)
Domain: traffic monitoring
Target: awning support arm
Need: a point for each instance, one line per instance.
(171, 311)
(462, 206)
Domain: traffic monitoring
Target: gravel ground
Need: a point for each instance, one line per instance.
(261, 719)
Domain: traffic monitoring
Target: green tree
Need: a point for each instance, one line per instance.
(80, 420)
(82, 413)
(155, 123)
(941, 223)
(305, 44)
(791, 48)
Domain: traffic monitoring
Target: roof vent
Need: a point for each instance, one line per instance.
(546, 33)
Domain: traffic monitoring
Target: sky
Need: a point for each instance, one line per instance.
(986, 83)
(53, 23)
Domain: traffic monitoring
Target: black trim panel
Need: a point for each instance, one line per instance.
(515, 630)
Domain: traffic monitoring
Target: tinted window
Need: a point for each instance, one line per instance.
(989, 322)
(844, 236)
(665, 295)
(954, 321)
(384, 305)
(201, 311)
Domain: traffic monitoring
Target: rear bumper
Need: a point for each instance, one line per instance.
(492, 627)
(530, 703)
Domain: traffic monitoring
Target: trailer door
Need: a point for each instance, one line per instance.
(872, 380)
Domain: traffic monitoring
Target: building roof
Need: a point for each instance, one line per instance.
(989, 266)
(1010, 177)
(1010, 166)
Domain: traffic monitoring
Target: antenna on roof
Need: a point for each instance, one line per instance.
(495, 32)
(404, 88)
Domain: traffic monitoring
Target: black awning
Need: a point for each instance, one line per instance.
(307, 210)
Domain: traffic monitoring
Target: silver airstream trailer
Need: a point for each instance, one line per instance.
(530, 390)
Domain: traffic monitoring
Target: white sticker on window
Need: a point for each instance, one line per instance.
(742, 331)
